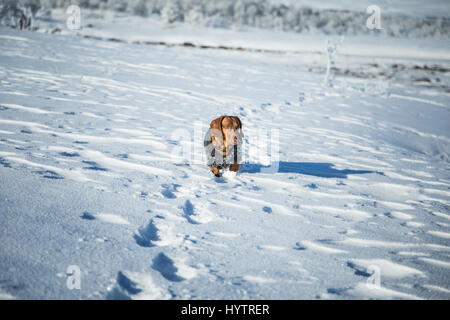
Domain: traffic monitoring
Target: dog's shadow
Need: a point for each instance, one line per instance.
(318, 169)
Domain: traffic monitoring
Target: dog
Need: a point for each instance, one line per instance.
(223, 143)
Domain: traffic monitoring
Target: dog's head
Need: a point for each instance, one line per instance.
(226, 132)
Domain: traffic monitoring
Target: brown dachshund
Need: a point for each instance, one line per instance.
(223, 144)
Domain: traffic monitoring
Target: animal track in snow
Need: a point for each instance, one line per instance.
(157, 232)
(363, 291)
(174, 271)
(387, 268)
(136, 286)
(399, 215)
(198, 214)
(169, 189)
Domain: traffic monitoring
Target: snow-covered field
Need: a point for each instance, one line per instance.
(102, 167)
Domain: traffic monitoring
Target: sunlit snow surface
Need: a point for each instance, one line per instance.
(93, 174)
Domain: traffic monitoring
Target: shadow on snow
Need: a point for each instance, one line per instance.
(318, 169)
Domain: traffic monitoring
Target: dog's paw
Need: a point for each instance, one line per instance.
(216, 172)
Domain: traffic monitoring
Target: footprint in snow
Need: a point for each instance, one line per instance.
(143, 194)
(133, 285)
(69, 154)
(94, 166)
(49, 174)
(198, 215)
(399, 215)
(166, 267)
(169, 189)
(5, 163)
(158, 232)
(147, 235)
(267, 209)
(188, 211)
(87, 216)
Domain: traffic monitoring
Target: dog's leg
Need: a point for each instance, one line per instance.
(215, 171)
(236, 156)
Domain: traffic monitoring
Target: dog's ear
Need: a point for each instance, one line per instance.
(238, 121)
(216, 132)
(217, 123)
(239, 127)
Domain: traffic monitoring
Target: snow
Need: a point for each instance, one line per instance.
(102, 165)
(317, 247)
(439, 263)
(111, 218)
(362, 290)
(400, 215)
(441, 234)
(137, 286)
(387, 268)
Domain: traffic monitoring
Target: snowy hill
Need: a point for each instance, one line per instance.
(102, 167)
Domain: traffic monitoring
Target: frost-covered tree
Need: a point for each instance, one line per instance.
(194, 16)
(287, 16)
(18, 14)
(33, 6)
(118, 5)
(140, 8)
(170, 13)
